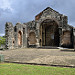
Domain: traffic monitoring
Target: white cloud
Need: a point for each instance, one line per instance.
(2, 34)
(25, 10)
(6, 4)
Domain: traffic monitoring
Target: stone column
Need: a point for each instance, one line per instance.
(26, 37)
(60, 34)
(9, 33)
(37, 36)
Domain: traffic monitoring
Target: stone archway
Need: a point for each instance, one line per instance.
(19, 38)
(49, 33)
(32, 38)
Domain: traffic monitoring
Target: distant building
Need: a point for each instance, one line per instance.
(50, 28)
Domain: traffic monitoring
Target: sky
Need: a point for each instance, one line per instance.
(25, 10)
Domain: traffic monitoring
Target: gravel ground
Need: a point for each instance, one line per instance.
(41, 56)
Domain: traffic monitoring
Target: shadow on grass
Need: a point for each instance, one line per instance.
(40, 64)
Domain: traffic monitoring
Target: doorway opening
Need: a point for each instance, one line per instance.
(49, 33)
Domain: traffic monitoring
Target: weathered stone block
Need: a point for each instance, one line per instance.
(1, 58)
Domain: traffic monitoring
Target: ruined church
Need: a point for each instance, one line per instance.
(50, 28)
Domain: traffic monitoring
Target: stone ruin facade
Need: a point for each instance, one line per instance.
(50, 28)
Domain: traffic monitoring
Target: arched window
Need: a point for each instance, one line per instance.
(19, 38)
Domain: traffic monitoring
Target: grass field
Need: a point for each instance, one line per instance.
(21, 69)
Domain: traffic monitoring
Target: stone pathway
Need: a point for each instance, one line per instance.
(41, 56)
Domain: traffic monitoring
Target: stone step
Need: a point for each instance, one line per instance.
(48, 47)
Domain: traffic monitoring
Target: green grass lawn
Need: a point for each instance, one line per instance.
(21, 69)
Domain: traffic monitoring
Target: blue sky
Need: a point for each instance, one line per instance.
(25, 10)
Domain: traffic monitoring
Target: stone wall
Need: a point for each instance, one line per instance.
(9, 29)
(12, 35)
(61, 20)
(50, 14)
(31, 28)
(12, 32)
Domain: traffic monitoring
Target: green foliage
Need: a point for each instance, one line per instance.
(2, 40)
(21, 69)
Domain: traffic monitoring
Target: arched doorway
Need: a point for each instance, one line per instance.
(49, 33)
(32, 38)
(19, 38)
